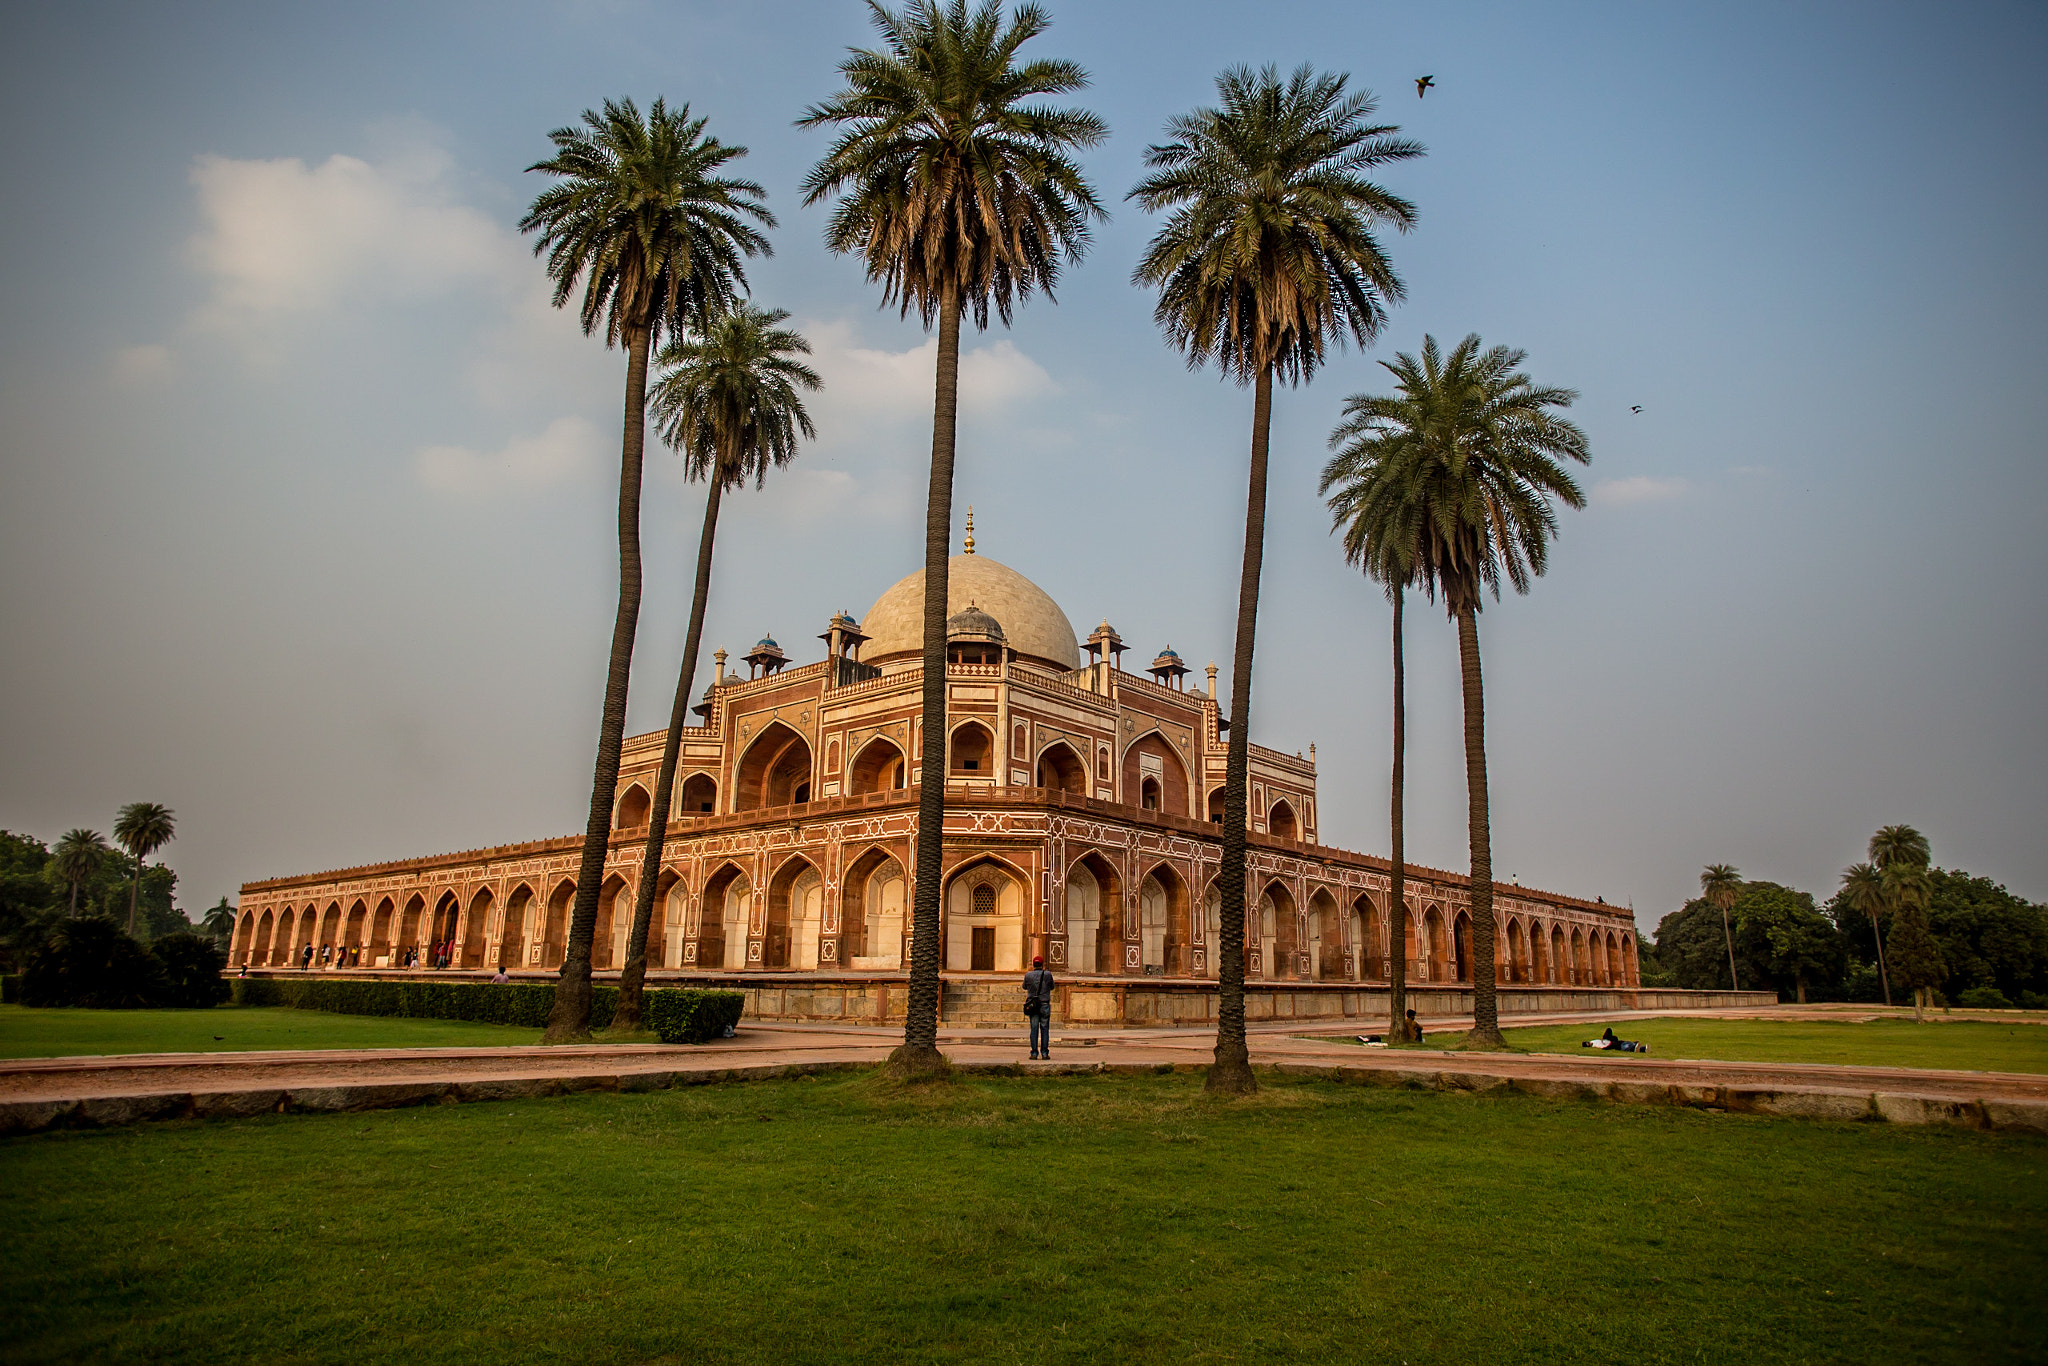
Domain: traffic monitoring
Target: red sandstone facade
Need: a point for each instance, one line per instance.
(1083, 813)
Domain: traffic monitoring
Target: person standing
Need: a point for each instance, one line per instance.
(1038, 985)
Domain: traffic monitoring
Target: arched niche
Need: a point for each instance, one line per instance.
(1060, 769)
(633, 806)
(1094, 901)
(1281, 822)
(970, 751)
(871, 913)
(516, 926)
(984, 904)
(775, 771)
(698, 797)
(879, 767)
(1151, 756)
(796, 901)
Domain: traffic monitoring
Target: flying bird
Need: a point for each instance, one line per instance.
(1635, 407)
(1422, 85)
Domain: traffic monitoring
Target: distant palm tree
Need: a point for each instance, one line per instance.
(1720, 884)
(1472, 442)
(1916, 957)
(1268, 258)
(731, 401)
(958, 191)
(655, 236)
(1895, 844)
(76, 857)
(1863, 890)
(219, 921)
(1382, 523)
(143, 828)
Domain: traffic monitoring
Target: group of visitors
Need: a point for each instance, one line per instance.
(439, 954)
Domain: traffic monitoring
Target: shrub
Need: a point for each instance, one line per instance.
(1984, 998)
(91, 961)
(687, 1015)
(2033, 1000)
(192, 965)
(525, 1004)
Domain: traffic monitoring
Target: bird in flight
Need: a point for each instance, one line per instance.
(1422, 85)
(1635, 407)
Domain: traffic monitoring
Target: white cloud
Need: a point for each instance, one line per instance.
(1639, 488)
(142, 364)
(865, 381)
(567, 448)
(282, 237)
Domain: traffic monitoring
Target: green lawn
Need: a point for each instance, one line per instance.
(1084, 1220)
(26, 1033)
(1881, 1043)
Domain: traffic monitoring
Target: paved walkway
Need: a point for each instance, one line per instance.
(39, 1093)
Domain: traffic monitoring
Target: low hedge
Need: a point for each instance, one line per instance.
(687, 1015)
(677, 1015)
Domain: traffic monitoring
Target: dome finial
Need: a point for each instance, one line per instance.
(970, 529)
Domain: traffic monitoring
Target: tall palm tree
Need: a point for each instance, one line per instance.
(219, 921)
(142, 828)
(1478, 447)
(731, 402)
(1720, 884)
(959, 191)
(1916, 956)
(76, 857)
(643, 220)
(1863, 890)
(1897, 844)
(1382, 522)
(1267, 258)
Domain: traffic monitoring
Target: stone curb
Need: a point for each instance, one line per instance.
(1821, 1103)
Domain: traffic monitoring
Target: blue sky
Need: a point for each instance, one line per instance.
(306, 526)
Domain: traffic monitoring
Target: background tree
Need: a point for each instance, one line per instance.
(1373, 503)
(1803, 948)
(642, 220)
(958, 192)
(29, 908)
(731, 402)
(143, 828)
(1267, 258)
(1915, 957)
(1721, 884)
(1477, 447)
(219, 921)
(1863, 892)
(1896, 844)
(78, 854)
(1987, 937)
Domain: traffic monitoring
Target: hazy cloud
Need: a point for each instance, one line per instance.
(1639, 488)
(899, 383)
(568, 447)
(141, 364)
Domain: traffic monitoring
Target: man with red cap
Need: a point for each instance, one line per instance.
(1038, 986)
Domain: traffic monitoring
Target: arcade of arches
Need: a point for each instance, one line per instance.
(1083, 805)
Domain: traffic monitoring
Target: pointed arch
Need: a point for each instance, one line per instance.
(970, 750)
(697, 797)
(380, 932)
(984, 916)
(1095, 914)
(1367, 958)
(1325, 937)
(1165, 924)
(1281, 822)
(1461, 946)
(1539, 956)
(605, 938)
(723, 914)
(1152, 755)
(795, 897)
(554, 944)
(878, 766)
(871, 902)
(775, 771)
(632, 808)
(513, 932)
(1279, 929)
(259, 938)
(1061, 769)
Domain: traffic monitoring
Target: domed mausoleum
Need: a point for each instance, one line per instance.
(1084, 807)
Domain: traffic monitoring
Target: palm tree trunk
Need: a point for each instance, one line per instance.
(1397, 890)
(134, 894)
(1485, 1004)
(1882, 980)
(570, 1019)
(1729, 934)
(73, 910)
(1231, 1073)
(628, 1017)
(919, 1055)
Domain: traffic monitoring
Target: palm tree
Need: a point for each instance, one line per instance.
(958, 191)
(731, 402)
(1476, 446)
(1863, 890)
(1382, 526)
(1916, 957)
(642, 219)
(76, 857)
(1267, 258)
(219, 921)
(1720, 884)
(143, 828)
(1896, 844)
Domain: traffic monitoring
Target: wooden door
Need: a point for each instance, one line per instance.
(984, 948)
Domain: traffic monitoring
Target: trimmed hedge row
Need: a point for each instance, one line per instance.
(676, 1015)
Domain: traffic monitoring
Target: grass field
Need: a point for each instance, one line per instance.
(26, 1033)
(1084, 1220)
(1881, 1043)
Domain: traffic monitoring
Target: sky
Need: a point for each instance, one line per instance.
(306, 492)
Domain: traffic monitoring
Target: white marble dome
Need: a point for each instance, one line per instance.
(1032, 622)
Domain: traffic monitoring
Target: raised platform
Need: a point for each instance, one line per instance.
(989, 999)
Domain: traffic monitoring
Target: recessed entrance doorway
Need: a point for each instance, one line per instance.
(984, 948)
